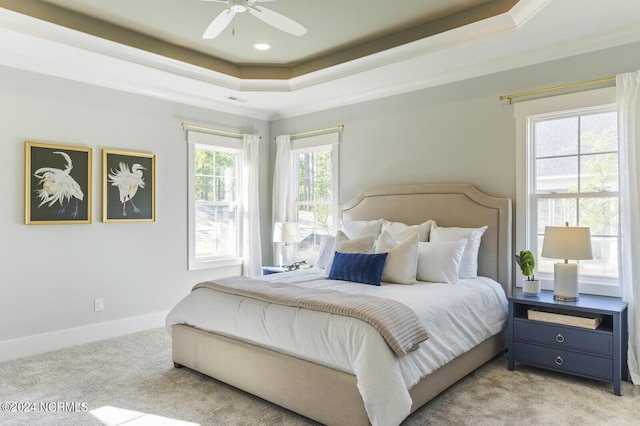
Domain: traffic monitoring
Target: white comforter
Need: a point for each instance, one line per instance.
(456, 316)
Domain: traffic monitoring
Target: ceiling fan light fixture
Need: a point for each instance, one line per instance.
(238, 8)
(262, 46)
(270, 17)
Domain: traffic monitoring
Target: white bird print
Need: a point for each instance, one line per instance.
(59, 185)
(128, 182)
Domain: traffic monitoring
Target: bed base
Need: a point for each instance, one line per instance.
(330, 396)
(320, 393)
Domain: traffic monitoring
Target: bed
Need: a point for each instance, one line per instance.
(310, 381)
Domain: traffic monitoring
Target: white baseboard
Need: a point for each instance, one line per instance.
(40, 343)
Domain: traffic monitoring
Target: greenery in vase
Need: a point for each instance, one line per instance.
(527, 264)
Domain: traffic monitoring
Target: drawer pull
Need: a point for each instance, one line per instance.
(559, 338)
(559, 360)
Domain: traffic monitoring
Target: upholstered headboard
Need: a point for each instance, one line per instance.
(460, 205)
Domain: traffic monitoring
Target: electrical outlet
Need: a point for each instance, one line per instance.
(98, 305)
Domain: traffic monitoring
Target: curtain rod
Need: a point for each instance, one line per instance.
(186, 126)
(338, 128)
(552, 89)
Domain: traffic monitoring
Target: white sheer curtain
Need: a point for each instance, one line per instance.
(628, 100)
(281, 183)
(251, 243)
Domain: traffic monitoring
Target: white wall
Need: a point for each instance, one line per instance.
(50, 274)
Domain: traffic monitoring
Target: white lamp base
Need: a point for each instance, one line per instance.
(565, 287)
(285, 254)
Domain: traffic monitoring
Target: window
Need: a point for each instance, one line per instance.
(214, 201)
(315, 167)
(572, 177)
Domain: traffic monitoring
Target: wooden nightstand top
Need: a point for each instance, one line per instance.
(586, 302)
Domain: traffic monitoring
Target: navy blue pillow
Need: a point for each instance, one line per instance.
(358, 267)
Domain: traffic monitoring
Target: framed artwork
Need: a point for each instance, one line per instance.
(128, 186)
(57, 184)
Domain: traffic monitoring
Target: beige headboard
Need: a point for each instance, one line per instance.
(460, 205)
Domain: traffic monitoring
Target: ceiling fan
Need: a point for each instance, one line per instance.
(269, 16)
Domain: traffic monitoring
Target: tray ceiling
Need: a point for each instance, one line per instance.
(354, 51)
(338, 30)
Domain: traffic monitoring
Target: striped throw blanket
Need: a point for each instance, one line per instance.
(395, 321)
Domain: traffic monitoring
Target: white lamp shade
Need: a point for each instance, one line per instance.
(285, 232)
(567, 242)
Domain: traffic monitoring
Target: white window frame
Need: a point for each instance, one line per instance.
(329, 141)
(525, 236)
(223, 144)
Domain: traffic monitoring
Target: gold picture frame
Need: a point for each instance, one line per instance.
(57, 184)
(128, 186)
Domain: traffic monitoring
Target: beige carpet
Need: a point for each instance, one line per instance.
(131, 380)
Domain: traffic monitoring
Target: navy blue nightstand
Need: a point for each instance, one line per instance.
(268, 270)
(599, 353)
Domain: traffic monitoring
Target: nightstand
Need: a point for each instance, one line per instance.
(599, 353)
(268, 270)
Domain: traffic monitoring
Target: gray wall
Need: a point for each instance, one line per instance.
(458, 132)
(49, 275)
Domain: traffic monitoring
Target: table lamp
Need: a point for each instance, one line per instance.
(566, 242)
(285, 233)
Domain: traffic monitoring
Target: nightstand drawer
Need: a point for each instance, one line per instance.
(563, 337)
(565, 361)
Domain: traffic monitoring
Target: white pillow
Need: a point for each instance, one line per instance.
(439, 262)
(469, 262)
(360, 228)
(345, 244)
(402, 260)
(400, 231)
(326, 251)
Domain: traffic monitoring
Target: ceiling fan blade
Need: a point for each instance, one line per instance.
(219, 24)
(277, 20)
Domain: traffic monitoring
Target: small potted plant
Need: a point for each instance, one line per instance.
(527, 263)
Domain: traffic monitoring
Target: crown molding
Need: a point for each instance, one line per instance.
(480, 48)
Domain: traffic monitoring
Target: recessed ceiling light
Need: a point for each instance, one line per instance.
(261, 46)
